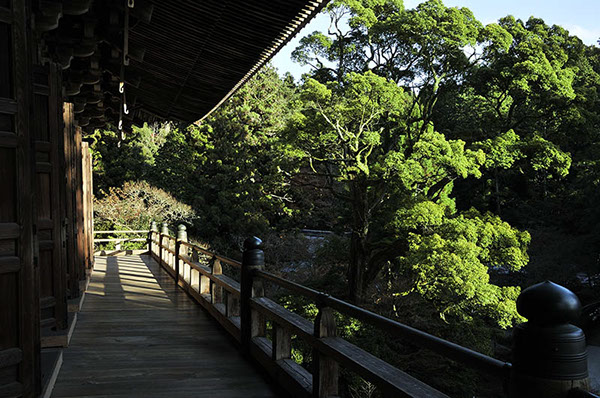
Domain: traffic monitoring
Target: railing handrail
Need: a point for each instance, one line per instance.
(134, 236)
(141, 231)
(453, 351)
(243, 310)
(102, 240)
(207, 252)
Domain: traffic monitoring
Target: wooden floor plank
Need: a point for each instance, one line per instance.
(138, 335)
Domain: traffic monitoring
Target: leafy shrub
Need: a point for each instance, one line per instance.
(136, 204)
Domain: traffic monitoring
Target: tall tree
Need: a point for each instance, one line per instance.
(229, 167)
(397, 190)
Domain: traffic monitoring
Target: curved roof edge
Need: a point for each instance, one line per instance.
(292, 29)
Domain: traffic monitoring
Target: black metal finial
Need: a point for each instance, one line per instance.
(549, 352)
(549, 304)
(253, 243)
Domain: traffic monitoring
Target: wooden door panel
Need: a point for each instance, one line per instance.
(19, 301)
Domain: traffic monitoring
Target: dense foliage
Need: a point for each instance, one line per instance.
(450, 159)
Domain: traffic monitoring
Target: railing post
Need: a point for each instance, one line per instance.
(253, 259)
(181, 237)
(325, 369)
(163, 232)
(549, 353)
(153, 228)
(215, 290)
(282, 343)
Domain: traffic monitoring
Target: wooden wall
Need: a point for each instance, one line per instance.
(19, 298)
(46, 143)
(44, 247)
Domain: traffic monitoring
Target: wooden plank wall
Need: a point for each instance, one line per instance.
(19, 298)
(46, 128)
(76, 204)
(44, 241)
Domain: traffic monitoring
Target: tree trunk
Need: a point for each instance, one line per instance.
(358, 252)
(358, 261)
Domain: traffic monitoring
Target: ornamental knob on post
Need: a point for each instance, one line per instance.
(165, 229)
(549, 352)
(182, 233)
(253, 259)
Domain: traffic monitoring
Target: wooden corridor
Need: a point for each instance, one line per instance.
(138, 335)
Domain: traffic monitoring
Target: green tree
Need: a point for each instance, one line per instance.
(230, 167)
(397, 190)
(132, 160)
(522, 91)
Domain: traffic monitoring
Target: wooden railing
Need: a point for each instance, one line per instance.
(243, 310)
(137, 236)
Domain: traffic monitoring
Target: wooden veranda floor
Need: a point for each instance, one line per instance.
(138, 335)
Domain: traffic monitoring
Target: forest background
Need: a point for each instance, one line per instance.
(455, 163)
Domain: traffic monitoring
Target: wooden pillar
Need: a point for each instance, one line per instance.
(79, 213)
(88, 203)
(252, 323)
(68, 202)
(46, 142)
(19, 296)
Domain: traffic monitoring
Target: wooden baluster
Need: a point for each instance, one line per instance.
(181, 237)
(232, 305)
(194, 279)
(282, 343)
(194, 274)
(325, 369)
(252, 323)
(171, 257)
(153, 229)
(160, 248)
(215, 290)
(163, 233)
(204, 280)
